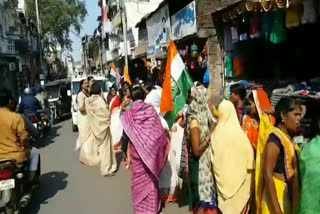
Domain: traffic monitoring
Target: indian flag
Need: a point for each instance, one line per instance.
(176, 85)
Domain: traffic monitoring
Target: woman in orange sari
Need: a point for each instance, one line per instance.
(257, 104)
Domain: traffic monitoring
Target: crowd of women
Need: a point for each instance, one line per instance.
(237, 158)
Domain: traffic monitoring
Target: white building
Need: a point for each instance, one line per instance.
(135, 11)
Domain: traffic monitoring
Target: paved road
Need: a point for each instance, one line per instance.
(69, 187)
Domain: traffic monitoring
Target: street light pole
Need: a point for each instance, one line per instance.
(124, 29)
(39, 32)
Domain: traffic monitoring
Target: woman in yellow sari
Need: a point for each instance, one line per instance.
(232, 161)
(277, 186)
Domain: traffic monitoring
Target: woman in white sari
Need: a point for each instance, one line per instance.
(82, 122)
(98, 117)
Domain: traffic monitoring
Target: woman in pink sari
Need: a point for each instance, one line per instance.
(148, 149)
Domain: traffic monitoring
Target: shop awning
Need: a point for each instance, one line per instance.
(141, 50)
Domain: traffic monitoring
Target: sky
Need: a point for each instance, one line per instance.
(88, 26)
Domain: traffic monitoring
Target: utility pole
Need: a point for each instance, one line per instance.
(39, 32)
(103, 34)
(124, 29)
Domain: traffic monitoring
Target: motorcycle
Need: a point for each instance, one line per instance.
(13, 181)
(44, 123)
(41, 121)
(53, 114)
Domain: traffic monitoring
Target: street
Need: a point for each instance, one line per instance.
(69, 187)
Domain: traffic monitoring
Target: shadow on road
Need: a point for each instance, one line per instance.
(50, 184)
(49, 137)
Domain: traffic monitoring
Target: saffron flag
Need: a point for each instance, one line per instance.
(177, 83)
(126, 75)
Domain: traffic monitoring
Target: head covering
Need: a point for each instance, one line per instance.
(262, 101)
(203, 176)
(232, 154)
(198, 109)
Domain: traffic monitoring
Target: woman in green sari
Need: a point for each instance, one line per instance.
(310, 174)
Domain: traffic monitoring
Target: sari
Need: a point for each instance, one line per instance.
(170, 183)
(251, 125)
(115, 103)
(148, 150)
(202, 191)
(116, 127)
(87, 153)
(233, 162)
(263, 203)
(100, 144)
(310, 177)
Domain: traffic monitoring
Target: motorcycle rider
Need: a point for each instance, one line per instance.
(14, 140)
(29, 105)
(41, 97)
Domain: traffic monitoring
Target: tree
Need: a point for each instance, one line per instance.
(58, 18)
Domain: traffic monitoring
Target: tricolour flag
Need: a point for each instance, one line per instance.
(177, 83)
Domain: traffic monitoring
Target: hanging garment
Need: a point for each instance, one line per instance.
(227, 38)
(266, 26)
(255, 27)
(309, 12)
(234, 34)
(294, 16)
(278, 34)
(229, 67)
(238, 66)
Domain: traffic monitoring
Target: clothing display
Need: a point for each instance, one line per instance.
(294, 16)
(278, 34)
(309, 11)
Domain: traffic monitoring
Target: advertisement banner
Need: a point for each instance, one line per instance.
(184, 22)
(158, 27)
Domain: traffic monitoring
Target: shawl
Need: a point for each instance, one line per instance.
(310, 176)
(198, 111)
(99, 122)
(142, 125)
(232, 154)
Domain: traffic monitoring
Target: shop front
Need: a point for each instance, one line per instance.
(273, 45)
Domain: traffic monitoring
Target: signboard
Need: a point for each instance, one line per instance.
(158, 27)
(156, 51)
(184, 22)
